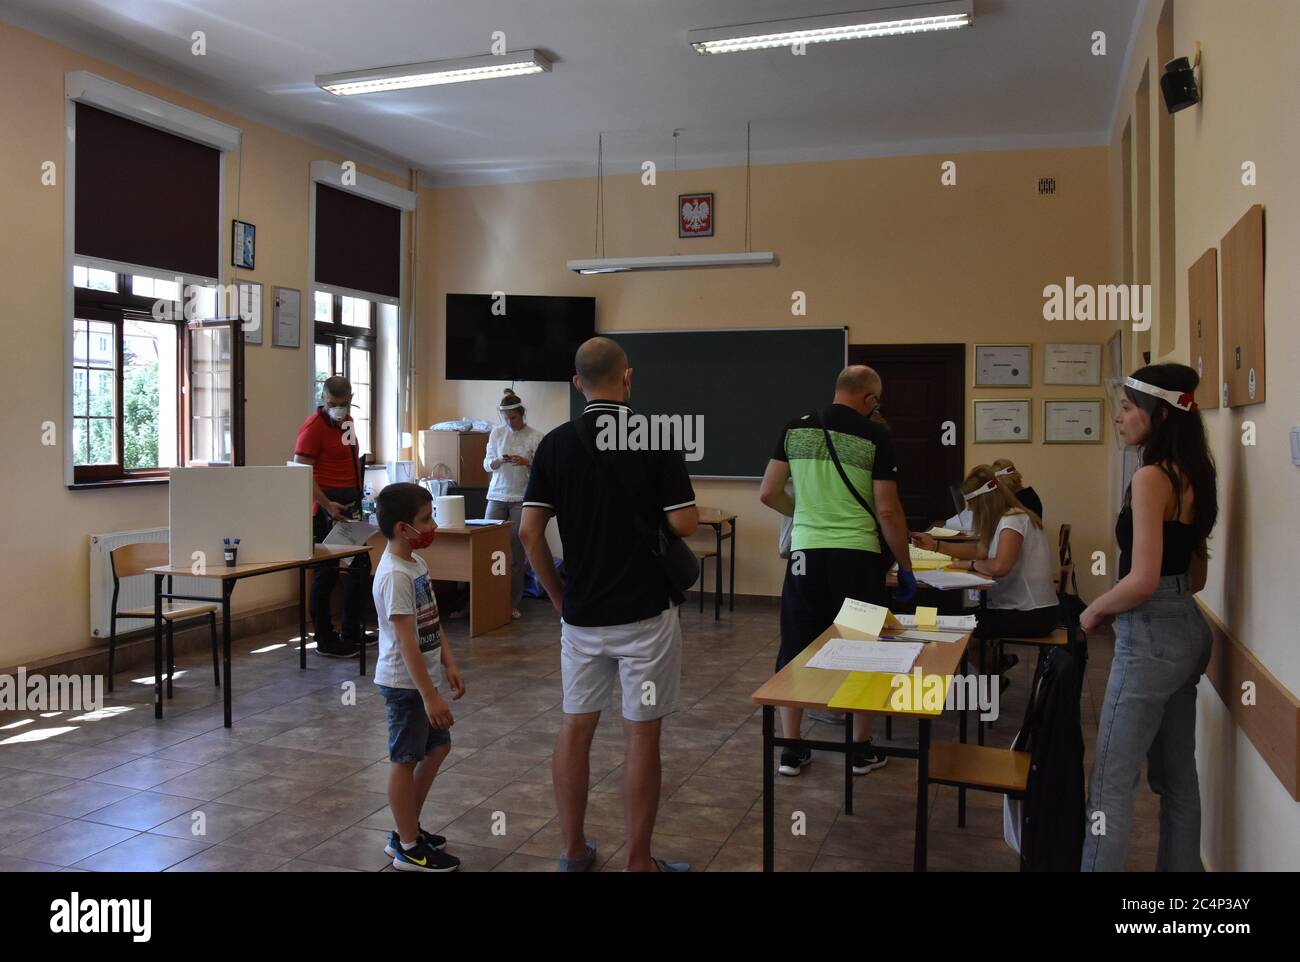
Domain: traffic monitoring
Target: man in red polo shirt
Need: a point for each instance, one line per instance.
(328, 443)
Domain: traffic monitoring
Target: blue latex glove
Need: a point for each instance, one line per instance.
(906, 589)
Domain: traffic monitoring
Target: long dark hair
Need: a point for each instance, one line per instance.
(1177, 437)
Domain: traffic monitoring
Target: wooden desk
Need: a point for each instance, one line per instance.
(465, 554)
(797, 686)
(718, 519)
(229, 576)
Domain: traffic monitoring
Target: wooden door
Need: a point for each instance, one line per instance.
(924, 388)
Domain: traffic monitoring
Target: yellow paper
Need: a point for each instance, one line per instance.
(930, 565)
(914, 694)
(863, 691)
(927, 617)
(866, 618)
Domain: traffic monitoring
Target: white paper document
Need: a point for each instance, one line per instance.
(350, 533)
(950, 623)
(952, 579)
(925, 636)
(845, 654)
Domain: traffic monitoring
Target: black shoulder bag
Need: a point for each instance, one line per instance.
(672, 554)
(885, 553)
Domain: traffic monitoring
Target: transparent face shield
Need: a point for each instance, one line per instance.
(504, 413)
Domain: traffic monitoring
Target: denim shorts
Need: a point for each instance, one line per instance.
(410, 736)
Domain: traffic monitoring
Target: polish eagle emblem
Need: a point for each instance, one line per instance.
(695, 214)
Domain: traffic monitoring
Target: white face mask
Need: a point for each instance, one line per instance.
(338, 414)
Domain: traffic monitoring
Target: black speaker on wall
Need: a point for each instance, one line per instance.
(1179, 85)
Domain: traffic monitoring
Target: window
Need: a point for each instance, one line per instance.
(345, 344)
(151, 388)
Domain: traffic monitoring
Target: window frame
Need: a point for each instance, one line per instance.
(117, 307)
(335, 332)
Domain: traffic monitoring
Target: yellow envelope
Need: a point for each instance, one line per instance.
(927, 617)
(866, 618)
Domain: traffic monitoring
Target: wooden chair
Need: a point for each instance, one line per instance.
(1063, 545)
(129, 560)
(1002, 771)
(701, 552)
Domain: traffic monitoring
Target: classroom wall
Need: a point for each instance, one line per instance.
(1250, 102)
(878, 245)
(45, 588)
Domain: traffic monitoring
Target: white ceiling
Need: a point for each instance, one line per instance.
(1022, 76)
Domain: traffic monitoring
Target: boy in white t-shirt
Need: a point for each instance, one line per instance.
(409, 670)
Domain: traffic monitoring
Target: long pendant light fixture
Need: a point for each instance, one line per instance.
(434, 72)
(666, 262)
(887, 22)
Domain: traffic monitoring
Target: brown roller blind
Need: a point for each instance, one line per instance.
(146, 197)
(358, 242)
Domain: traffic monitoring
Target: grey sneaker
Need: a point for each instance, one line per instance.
(583, 864)
(666, 866)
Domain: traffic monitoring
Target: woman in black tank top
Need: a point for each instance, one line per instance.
(1162, 643)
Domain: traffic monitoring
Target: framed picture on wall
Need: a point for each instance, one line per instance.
(1000, 421)
(1073, 421)
(249, 310)
(287, 319)
(1078, 364)
(695, 215)
(243, 244)
(1002, 365)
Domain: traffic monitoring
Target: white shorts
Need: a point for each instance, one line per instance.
(646, 657)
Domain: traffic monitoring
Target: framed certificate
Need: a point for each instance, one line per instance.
(1003, 421)
(1073, 421)
(249, 310)
(1072, 364)
(1002, 365)
(286, 332)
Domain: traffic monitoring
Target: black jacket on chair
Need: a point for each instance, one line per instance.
(1052, 814)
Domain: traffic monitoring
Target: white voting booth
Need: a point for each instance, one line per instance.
(267, 508)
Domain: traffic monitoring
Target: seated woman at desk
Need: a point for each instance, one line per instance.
(1011, 549)
(1005, 469)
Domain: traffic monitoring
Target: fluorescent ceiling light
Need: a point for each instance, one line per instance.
(888, 22)
(434, 72)
(671, 262)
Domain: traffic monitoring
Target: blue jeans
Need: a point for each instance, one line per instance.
(1161, 649)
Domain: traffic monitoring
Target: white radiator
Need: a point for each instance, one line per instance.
(136, 591)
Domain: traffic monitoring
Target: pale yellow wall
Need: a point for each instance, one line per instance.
(1248, 113)
(878, 245)
(44, 590)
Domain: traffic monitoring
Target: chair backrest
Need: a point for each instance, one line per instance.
(134, 559)
(1063, 545)
(958, 498)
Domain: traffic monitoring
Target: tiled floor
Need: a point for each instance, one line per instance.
(298, 783)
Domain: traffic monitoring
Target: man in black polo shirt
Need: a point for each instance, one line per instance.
(618, 619)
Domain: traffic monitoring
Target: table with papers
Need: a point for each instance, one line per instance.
(822, 676)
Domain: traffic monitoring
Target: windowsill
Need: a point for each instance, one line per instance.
(116, 483)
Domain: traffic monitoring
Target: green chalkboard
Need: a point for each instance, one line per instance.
(745, 383)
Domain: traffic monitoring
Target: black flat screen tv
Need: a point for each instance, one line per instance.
(528, 338)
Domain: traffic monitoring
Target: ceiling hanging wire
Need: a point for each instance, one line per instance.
(749, 242)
